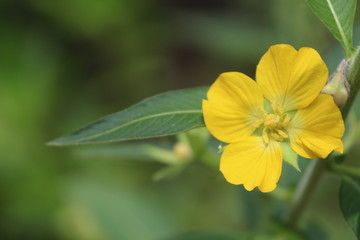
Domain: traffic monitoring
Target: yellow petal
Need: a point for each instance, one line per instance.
(232, 107)
(317, 130)
(252, 163)
(291, 78)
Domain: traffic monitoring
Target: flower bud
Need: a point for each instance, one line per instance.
(337, 85)
(183, 151)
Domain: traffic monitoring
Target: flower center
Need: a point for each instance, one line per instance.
(274, 124)
(271, 121)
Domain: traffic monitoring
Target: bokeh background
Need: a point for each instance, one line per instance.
(66, 63)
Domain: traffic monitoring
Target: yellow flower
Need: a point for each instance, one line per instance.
(273, 119)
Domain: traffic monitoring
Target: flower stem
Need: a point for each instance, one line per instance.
(354, 81)
(317, 167)
(304, 191)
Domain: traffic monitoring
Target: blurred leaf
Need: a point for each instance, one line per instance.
(211, 235)
(115, 210)
(135, 151)
(350, 202)
(165, 114)
(223, 37)
(192, 145)
(98, 14)
(168, 172)
(338, 16)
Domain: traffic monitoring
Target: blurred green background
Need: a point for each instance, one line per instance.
(66, 63)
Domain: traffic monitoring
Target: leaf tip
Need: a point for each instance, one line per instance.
(57, 142)
(52, 143)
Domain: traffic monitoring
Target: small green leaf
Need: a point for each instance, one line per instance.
(168, 172)
(289, 155)
(338, 17)
(161, 115)
(350, 202)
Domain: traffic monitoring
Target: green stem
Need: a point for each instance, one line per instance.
(345, 170)
(354, 80)
(317, 167)
(304, 191)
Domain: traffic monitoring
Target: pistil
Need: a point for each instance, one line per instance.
(274, 124)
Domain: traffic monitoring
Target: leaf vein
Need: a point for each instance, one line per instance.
(138, 120)
(337, 21)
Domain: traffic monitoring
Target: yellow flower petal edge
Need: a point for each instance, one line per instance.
(292, 78)
(252, 163)
(317, 130)
(283, 107)
(232, 107)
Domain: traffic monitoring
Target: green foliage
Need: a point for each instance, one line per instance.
(104, 212)
(133, 151)
(60, 68)
(338, 16)
(350, 202)
(165, 114)
(211, 235)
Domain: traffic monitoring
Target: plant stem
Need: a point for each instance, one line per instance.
(304, 191)
(354, 80)
(345, 170)
(317, 167)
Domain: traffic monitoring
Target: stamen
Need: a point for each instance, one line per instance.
(282, 133)
(276, 136)
(262, 110)
(277, 108)
(273, 105)
(286, 121)
(273, 123)
(257, 124)
(265, 137)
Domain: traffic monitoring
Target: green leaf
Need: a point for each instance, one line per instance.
(350, 202)
(338, 17)
(289, 155)
(168, 172)
(212, 235)
(132, 151)
(161, 115)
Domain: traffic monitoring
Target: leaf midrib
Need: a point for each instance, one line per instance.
(337, 21)
(138, 120)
